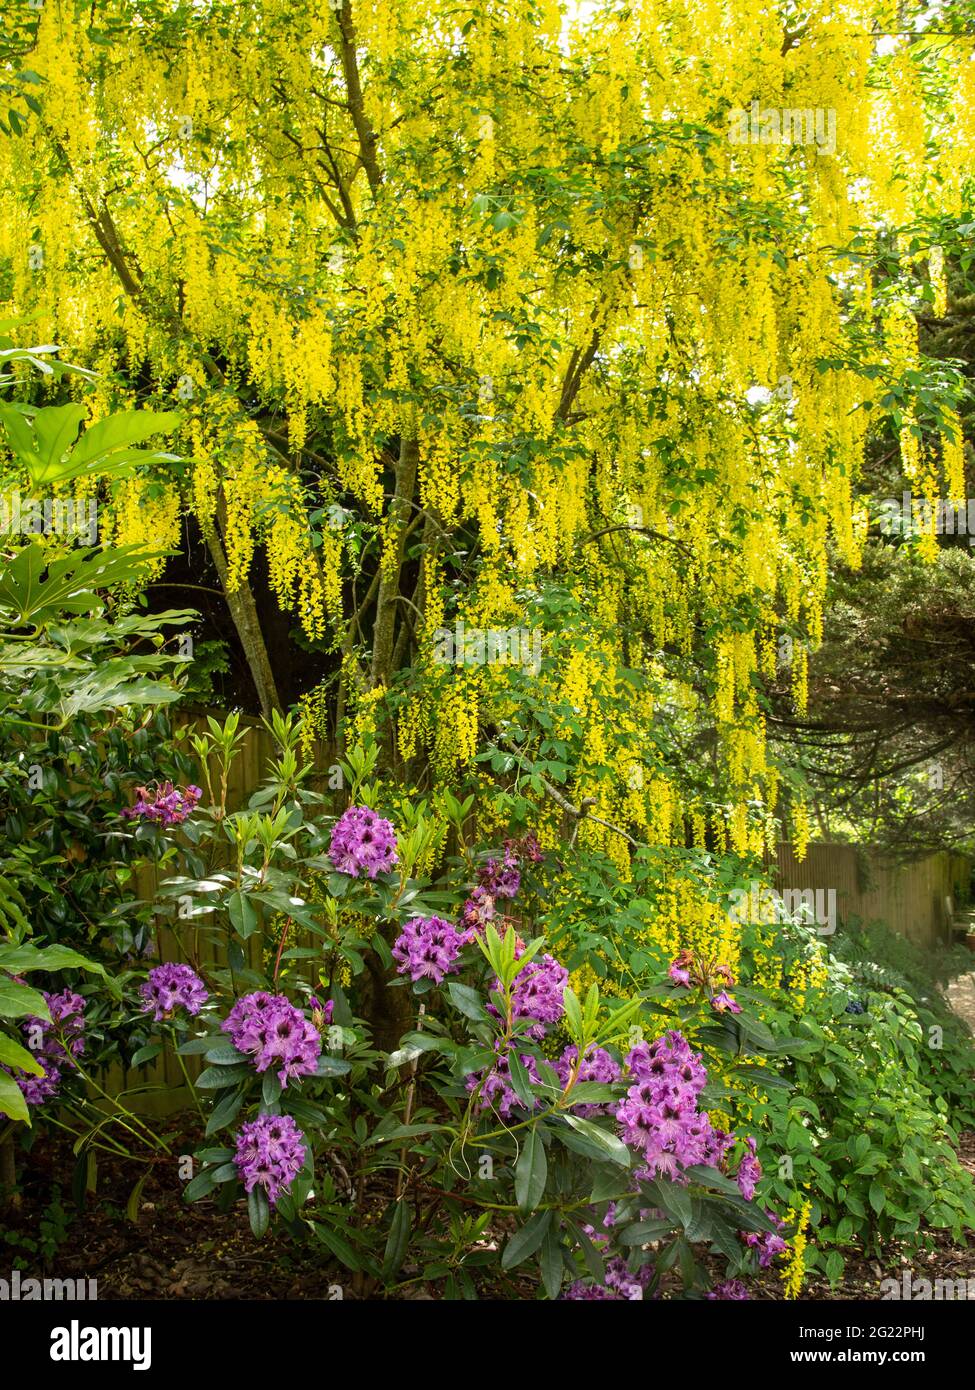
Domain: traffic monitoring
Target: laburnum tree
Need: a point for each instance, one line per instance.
(571, 322)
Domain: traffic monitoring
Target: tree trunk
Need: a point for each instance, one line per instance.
(243, 611)
(389, 594)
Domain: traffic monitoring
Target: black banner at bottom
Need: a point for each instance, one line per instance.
(179, 1338)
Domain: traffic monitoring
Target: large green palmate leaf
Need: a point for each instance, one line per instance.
(37, 588)
(44, 441)
(17, 960)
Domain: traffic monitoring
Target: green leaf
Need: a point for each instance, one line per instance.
(200, 1186)
(468, 1001)
(878, 1197)
(258, 1211)
(602, 1141)
(531, 1171)
(215, 1077)
(12, 1103)
(19, 1001)
(145, 1054)
(526, 1240)
(398, 1241)
(332, 1066)
(132, 1205)
(339, 1247)
(17, 1056)
(224, 1113)
(243, 917)
(19, 959)
(551, 1264)
(520, 1080)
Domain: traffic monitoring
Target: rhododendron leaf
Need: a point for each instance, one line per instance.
(332, 1066)
(551, 1264)
(398, 1240)
(243, 917)
(641, 1232)
(520, 1080)
(604, 1143)
(194, 1046)
(525, 1242)
(676, 1200)
(224, 1113)
(213, 1078)
(401, 1132)
(199, 1186)
(338, 1246)
(590, 1254)
(531, 1171)
(573, 1017)
(468, 1001)
(710, 1177)
(225, 1056)
(258, 1211)
(526, 957)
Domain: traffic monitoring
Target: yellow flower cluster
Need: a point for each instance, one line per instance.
(794, 1273)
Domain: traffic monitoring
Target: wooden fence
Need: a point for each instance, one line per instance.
(914, 898)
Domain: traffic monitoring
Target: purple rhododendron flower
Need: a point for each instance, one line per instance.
(321, 1014)
(428, 948)
(270, 1154)
(597, 1065)
(362, 843)
(725, 1003)
(767, 1243)
(732, 1289)
(500, 880)
(679, 976)
(538, 993)
(621, 1283)
(497, 1088)
(749, 1171)
(583, 1290)
(478, 909)
(171, 987)
(165, 805)
(53, 1045)
(268, 1028)
(660, 1116)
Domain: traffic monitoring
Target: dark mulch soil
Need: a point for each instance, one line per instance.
(174, 1249)
(180, 1250)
